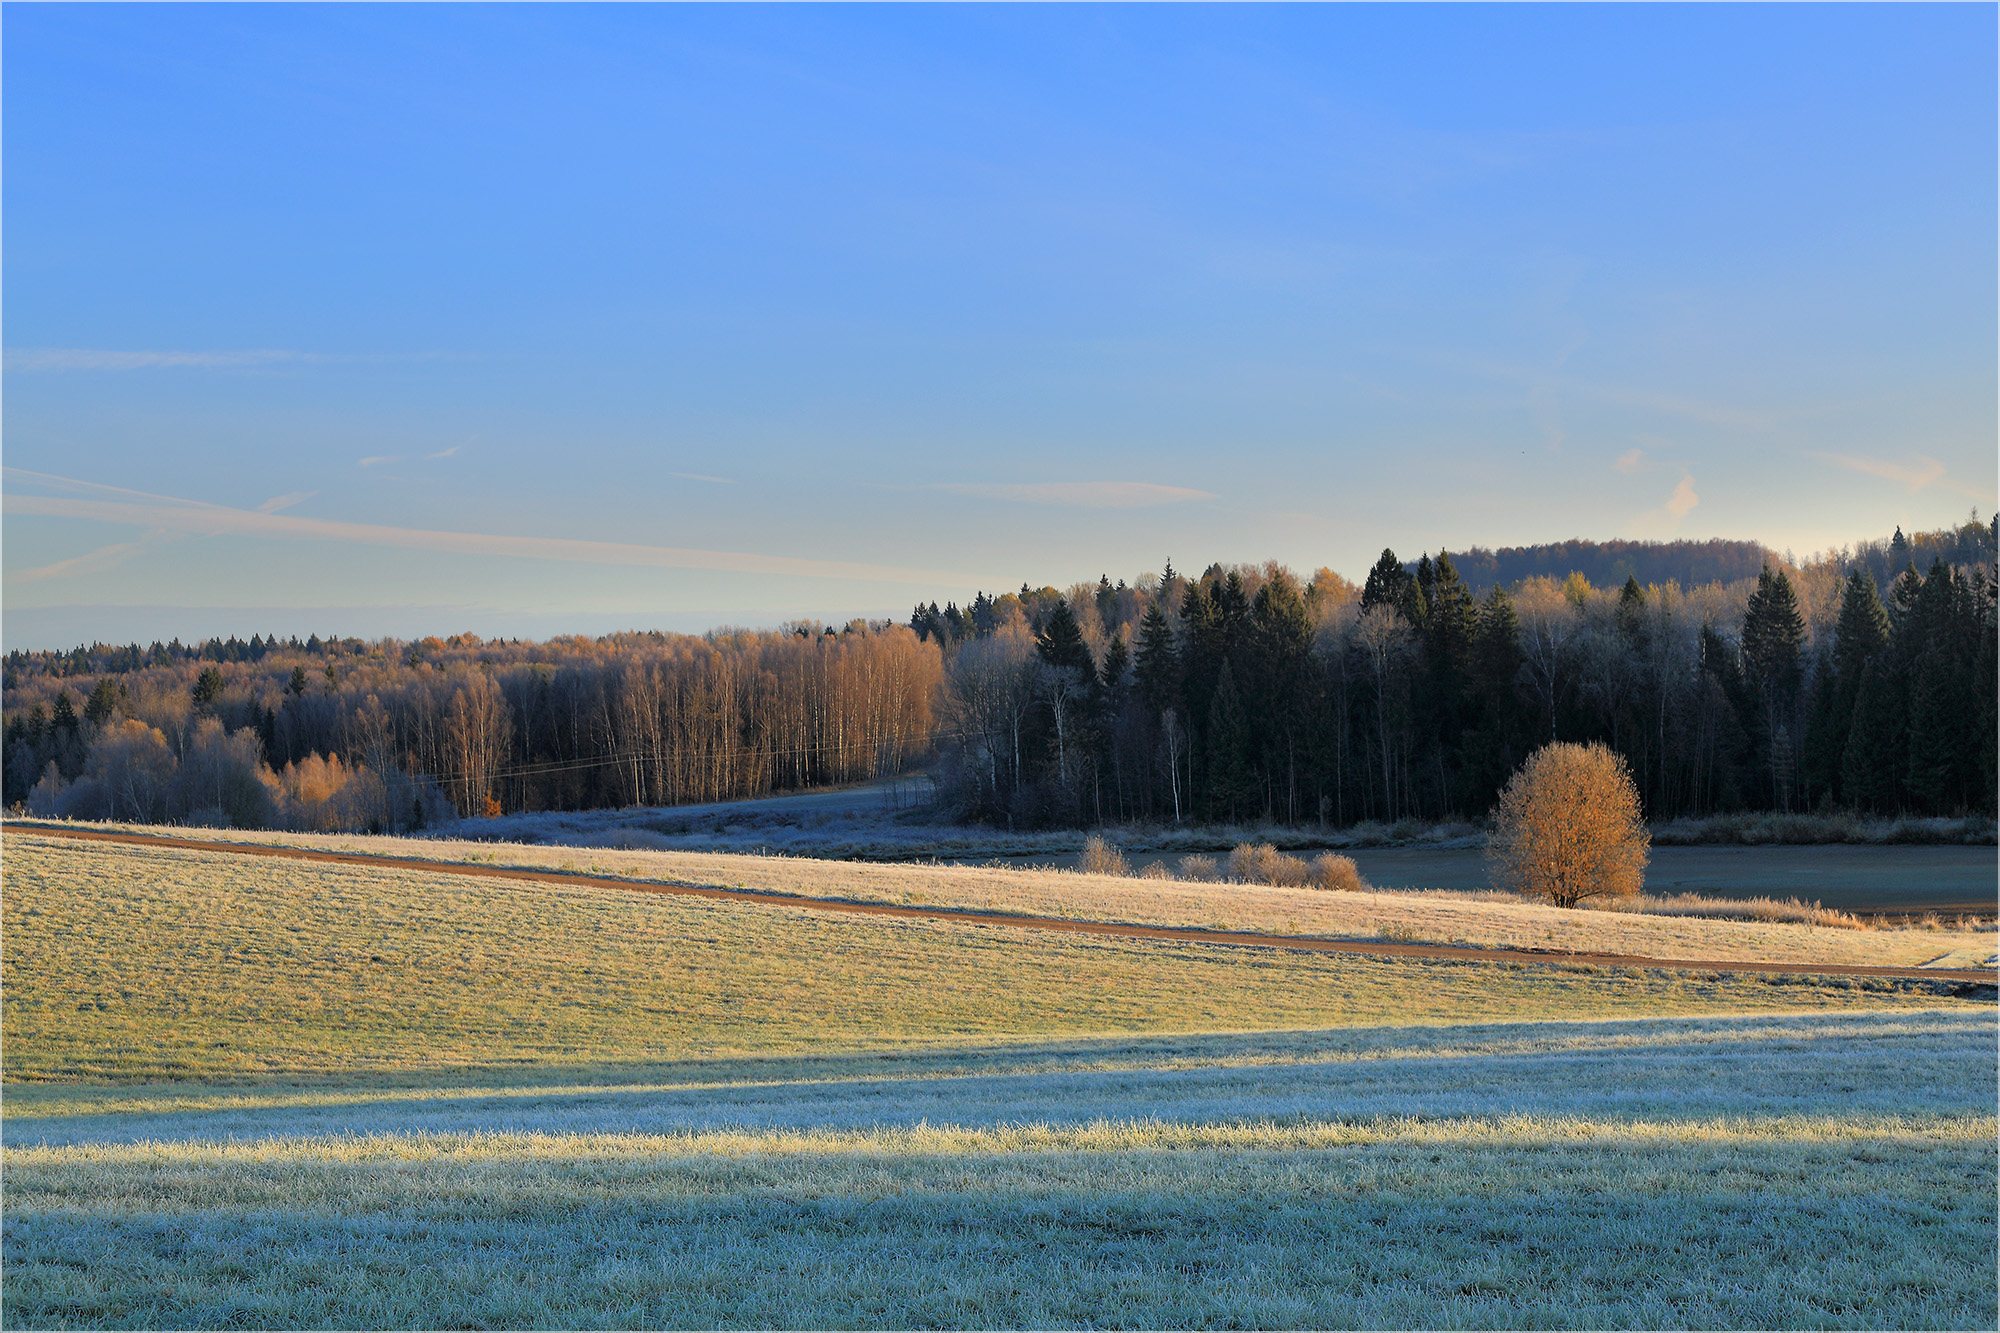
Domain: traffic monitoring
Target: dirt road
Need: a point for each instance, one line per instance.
(1184, 935)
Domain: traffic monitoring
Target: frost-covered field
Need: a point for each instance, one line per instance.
(1482, 919)
(248, 1092)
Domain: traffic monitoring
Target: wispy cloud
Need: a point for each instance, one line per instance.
(285, 501)
(1084, 494)
(90, 562)
(376, 460)
(167, 514)
(86, 358)
(696, 476)
(1628, 462)
(1912, 476)
(445, 453)
(1683, 499)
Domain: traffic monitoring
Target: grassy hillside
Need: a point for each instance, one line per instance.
(1496, 920)
(255, 1093)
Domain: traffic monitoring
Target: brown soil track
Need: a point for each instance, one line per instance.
(1121, 930)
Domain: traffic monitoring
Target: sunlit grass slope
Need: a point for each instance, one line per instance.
(249, 1093)
(1435, 918)
(138, 963)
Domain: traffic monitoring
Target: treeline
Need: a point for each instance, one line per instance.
(1245, 694)
(1608, 564)
(358, 738)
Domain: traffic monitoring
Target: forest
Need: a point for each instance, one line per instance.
(1860, 679)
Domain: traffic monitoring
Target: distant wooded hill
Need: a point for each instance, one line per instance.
(1692, 564)
(1609, 564)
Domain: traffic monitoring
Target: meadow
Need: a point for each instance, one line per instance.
(1478, 918)
(250, 1092)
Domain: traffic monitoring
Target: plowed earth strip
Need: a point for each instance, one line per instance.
(1121, 930)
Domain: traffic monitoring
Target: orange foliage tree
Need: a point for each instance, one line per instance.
(1568, 827)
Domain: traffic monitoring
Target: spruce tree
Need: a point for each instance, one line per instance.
(1387, 583)
(103, 701)
(1826, 733)
(1117, 663)
(1862, 632)
(1157, 666)
(1061, 644)
(1872, 765)
(1229, 789)
(1632, 610)
(1200, 651)
(1773, 634)
(1942, 653)
(62, 717)
(1937, 744)
(1279, 687)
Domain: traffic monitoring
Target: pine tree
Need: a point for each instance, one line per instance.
(62, 717)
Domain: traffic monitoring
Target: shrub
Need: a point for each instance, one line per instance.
(1336, 874)
(1261, 863)
(1101, 858)
(1198, 868)
(1568, 828)
(1156, 870)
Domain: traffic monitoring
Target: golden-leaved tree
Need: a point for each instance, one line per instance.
(1568, 827)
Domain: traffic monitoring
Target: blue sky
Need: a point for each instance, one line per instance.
(521, 319)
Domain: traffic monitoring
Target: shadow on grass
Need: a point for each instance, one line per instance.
(1766, 1065)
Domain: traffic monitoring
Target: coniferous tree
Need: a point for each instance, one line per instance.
(1061, 644)
(1861, 633)
(103, 702)
(1773, 635)
(1279, 681)
(1157, 666)
(1117, 665)
(208, 687)
(1388, 584)
(1877, 743)
(1451, 626)
(1201, 656)
(1229, 788)
(1942, 711)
